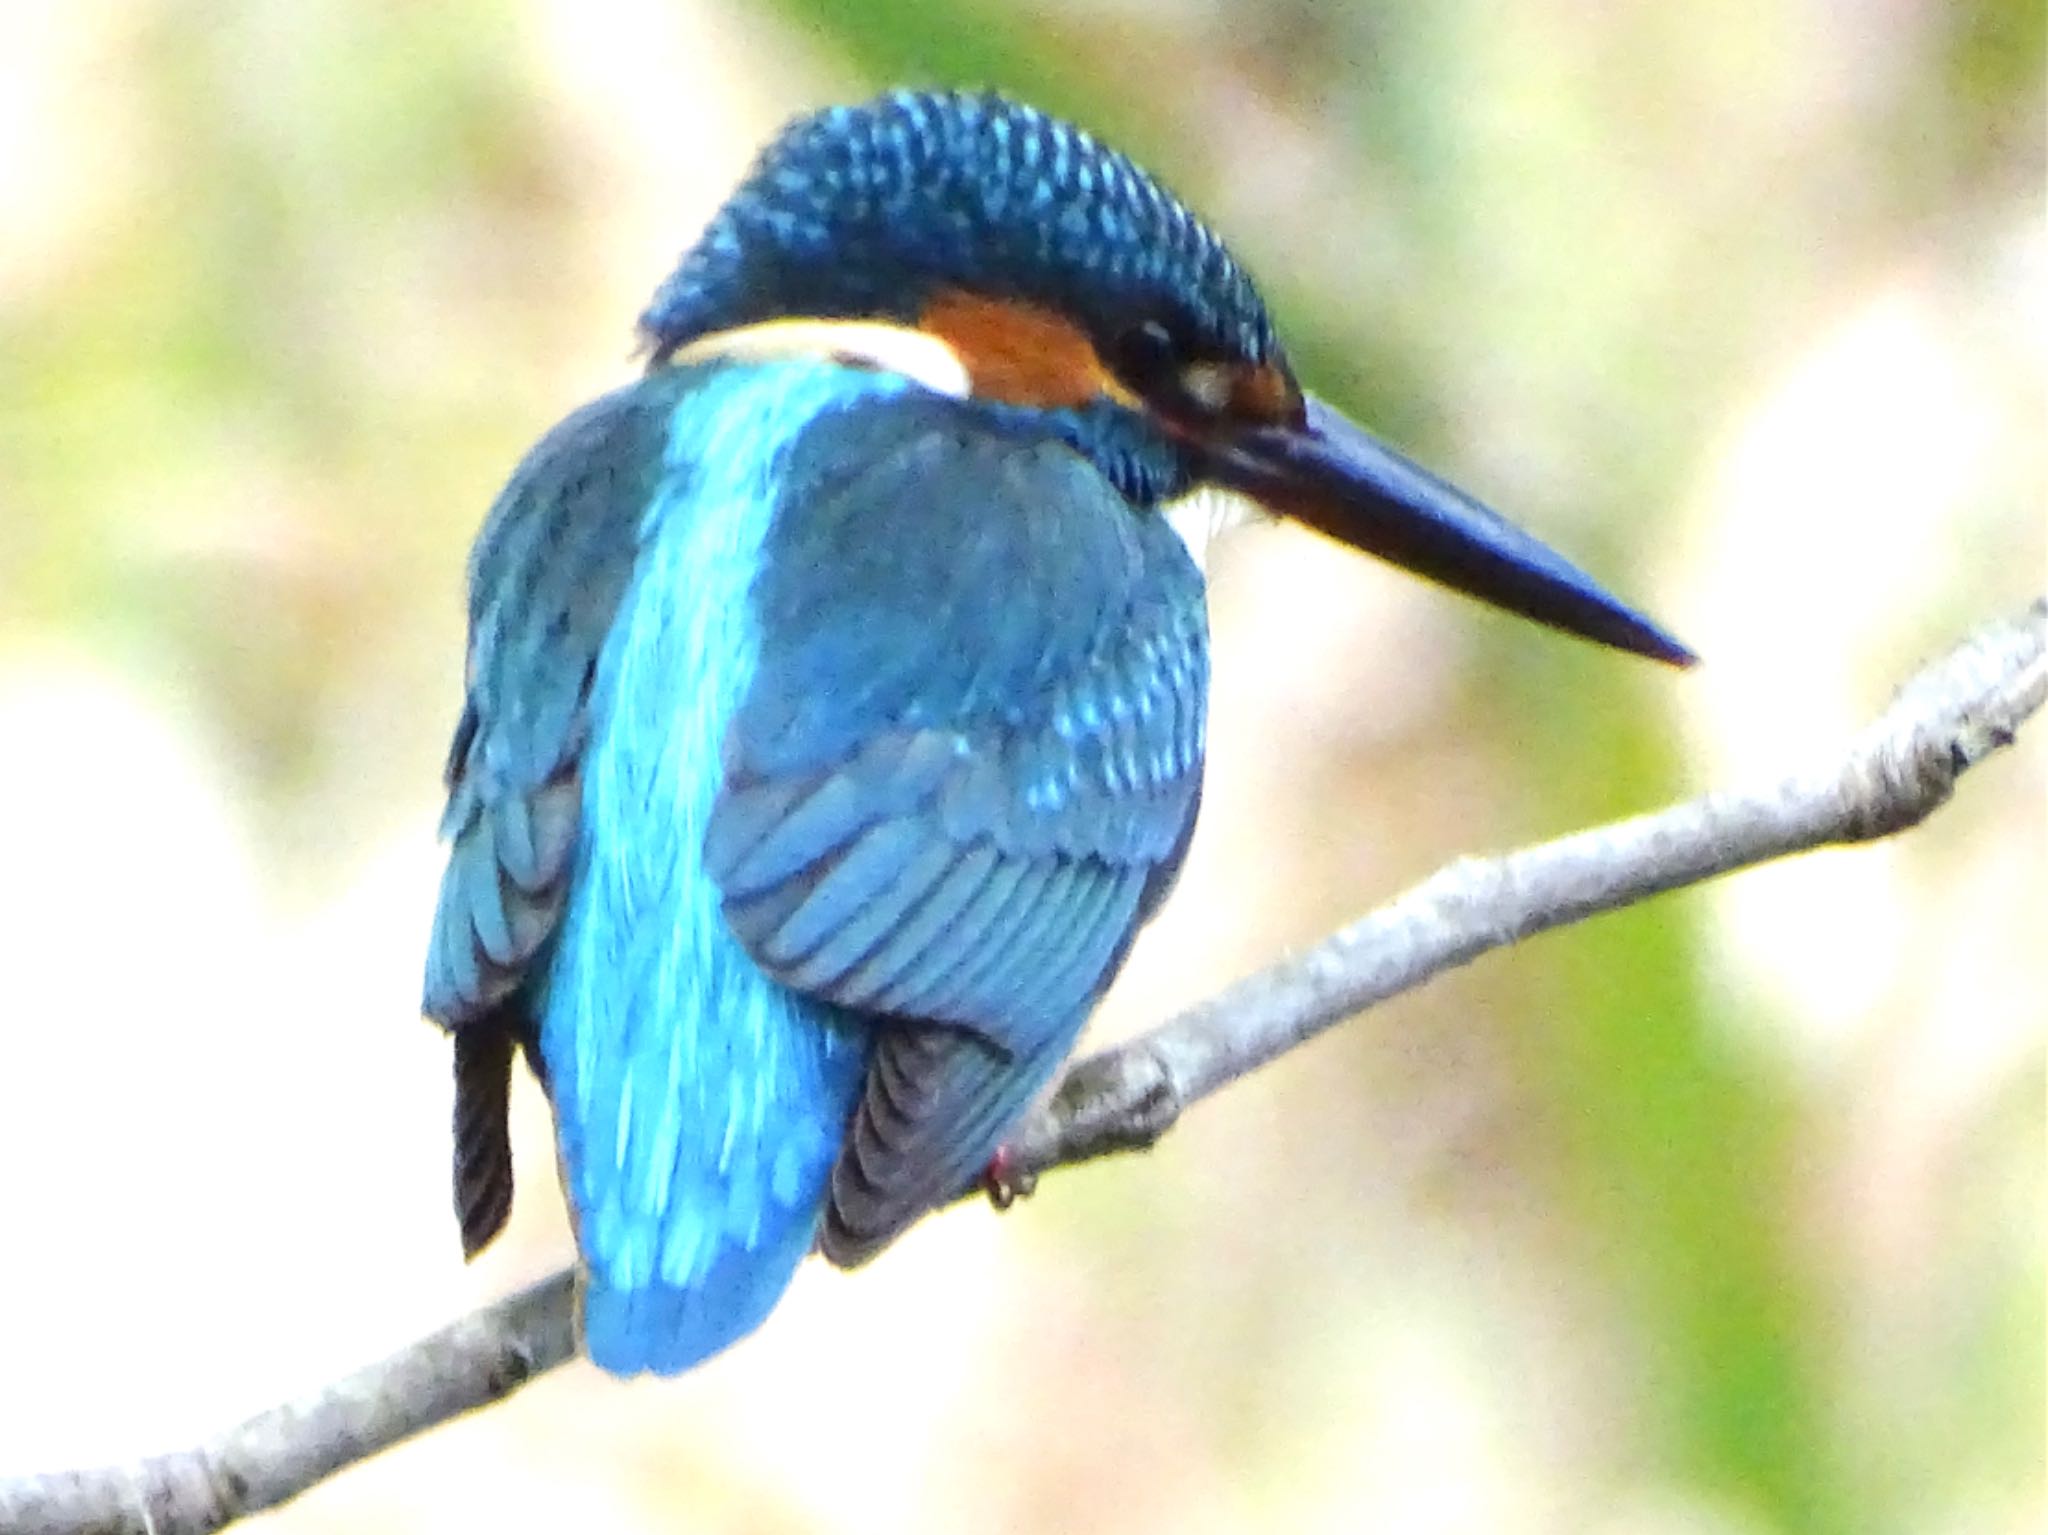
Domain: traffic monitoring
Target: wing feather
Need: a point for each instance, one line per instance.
(967, 763)
(938, 918)
(843, 941)
(1011, 885)
(549, 570)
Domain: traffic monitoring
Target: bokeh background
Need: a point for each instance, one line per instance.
(1724, 1215)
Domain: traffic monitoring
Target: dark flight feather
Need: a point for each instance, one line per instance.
(546, 578)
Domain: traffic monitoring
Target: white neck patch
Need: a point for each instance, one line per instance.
(1208, 511)
(914, 354)
(1200, 516)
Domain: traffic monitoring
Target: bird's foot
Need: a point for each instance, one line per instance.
(1005, 1180)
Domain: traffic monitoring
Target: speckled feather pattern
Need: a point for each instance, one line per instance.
(828, 736)
(965, 771)
(863, 209)
(826, 742)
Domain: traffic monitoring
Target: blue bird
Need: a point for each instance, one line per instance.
(835, 693)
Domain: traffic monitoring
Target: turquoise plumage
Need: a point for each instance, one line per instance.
(699, 1105)
(803, 809)
(835, 702)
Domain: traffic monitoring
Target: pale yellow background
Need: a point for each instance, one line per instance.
(1725, 1216)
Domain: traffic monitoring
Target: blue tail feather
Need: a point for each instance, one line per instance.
(667, 1328)
(699, 1105)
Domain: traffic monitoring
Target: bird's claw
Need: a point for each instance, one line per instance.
(1005, 1180)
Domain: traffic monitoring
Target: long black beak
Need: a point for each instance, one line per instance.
(1336, 477)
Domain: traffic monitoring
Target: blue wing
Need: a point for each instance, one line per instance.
(965, 772)
(546, 576)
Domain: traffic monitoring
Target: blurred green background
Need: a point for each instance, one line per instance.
(1724, 1215)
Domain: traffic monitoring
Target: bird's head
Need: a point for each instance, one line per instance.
(1003, 255)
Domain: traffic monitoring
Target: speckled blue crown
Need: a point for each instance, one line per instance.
(859, 212)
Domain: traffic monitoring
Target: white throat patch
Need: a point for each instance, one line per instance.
(1205, 513)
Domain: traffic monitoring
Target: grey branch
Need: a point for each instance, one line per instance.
(1898, 771)
(1893, 775)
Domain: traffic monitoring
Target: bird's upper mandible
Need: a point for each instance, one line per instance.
(836, 692)
(1000, 254)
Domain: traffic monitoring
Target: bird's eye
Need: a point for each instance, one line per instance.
(1145, 354)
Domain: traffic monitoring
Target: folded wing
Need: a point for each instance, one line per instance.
(546, 577)
(964, 774)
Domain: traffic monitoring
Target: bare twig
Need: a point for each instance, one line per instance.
(1892, 776)
(278, 1454)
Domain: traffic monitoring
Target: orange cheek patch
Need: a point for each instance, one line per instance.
(1019, 353)
(1264, 393)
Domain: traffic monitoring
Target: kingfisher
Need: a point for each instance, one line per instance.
(836, 693)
